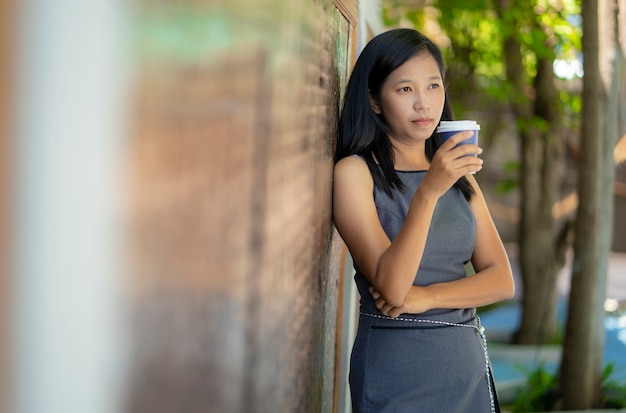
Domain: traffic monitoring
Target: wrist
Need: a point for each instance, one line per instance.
(419, 300)
(425, 195)
(430, 296)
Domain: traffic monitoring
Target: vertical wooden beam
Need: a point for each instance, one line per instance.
(347, 44)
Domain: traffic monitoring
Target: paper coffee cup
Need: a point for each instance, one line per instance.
(448, 128)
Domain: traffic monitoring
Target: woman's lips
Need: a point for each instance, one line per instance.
(422, 121)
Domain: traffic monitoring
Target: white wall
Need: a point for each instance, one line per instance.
(69, 129)
(370, 21)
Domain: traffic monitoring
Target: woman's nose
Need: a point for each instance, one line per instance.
(421, 101)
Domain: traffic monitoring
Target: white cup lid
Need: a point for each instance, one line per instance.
(457, 125)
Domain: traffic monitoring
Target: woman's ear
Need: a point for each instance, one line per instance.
(374, 103)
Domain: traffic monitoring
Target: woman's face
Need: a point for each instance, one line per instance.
(411, 99)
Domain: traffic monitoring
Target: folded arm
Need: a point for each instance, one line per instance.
(492, 282)
(389, 267)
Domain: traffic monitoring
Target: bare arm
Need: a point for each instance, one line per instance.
(492, 282)
(391, 267)
(357, 221)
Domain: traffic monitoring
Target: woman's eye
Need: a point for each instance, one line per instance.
(434, 86)
(405, 89)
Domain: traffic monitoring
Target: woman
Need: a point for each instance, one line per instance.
(413, 216)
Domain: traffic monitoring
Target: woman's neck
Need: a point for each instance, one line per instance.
(410, 158)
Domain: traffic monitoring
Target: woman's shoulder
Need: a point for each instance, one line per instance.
(354, 168)
(352, 163)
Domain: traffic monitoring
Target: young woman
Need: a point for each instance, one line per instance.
(413, 216)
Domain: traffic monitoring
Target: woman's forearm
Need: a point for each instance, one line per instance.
(486, 287)
(399, 263)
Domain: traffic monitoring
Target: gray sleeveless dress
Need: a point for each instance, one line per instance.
(434, 362)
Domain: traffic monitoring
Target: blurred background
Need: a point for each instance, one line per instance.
(165, 192)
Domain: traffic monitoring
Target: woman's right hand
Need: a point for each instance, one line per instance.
(417, 301)
(450, 163)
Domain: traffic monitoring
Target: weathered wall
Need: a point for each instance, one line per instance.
(234, 260)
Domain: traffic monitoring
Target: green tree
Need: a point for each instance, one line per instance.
(536, 105)
(604, 95)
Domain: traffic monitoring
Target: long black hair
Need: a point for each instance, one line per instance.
(361, 131)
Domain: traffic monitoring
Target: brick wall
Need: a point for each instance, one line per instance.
(235, 262)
